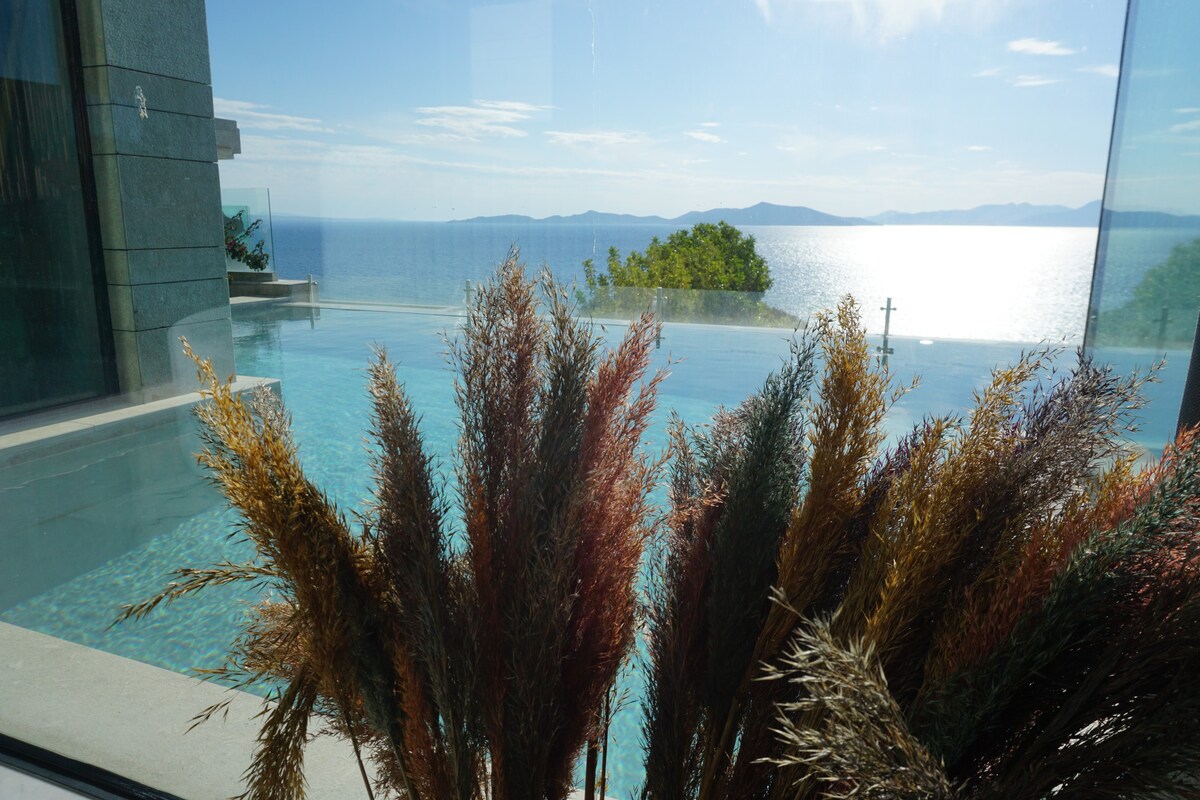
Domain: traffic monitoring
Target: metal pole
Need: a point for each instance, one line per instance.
(886, 351)
(658, 312)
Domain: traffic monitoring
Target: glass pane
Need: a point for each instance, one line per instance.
(249, 229)
(50, 345)
(1146, 289)
(433, 137)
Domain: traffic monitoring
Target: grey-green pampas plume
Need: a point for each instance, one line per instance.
(1000, 605)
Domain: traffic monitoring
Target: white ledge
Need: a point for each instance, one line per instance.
(132, 719)
(63, 428)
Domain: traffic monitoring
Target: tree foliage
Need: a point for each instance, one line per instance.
(1161, 310)
(712, 273)
(238, 240)
(706, 257)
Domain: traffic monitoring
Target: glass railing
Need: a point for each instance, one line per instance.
(718, 345)
(249, 210)
(685, 305)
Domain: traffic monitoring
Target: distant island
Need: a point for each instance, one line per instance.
(1018, 214)
(1021, 214)
(760, 214)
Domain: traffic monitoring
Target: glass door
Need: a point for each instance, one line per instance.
(54, 332)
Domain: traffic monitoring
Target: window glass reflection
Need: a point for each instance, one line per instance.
(50, 345)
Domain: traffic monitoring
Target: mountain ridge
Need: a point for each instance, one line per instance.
(996, 214)
(757, 214)
(1019, 214)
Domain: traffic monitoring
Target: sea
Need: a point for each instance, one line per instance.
(991, 283)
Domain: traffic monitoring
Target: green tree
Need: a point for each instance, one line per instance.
(706, 257)
(714, 270)
(238, 240)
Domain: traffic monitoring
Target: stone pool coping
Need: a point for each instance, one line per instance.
(26, 438)
(132, 719)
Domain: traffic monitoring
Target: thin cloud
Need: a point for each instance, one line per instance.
(824, 148)
(296, 165)
(1024, 81)
(1190, 110)
(603, 138)
(510, 105)
(710, 124)
(251, 116)
(1107, 70)
(988, 73)
(884, 19)
(271, 149)
(1040, 47)
(1185, 127)
(394, 136)
(977, 148)
(324, 155)
(482, 119)
(704, 136)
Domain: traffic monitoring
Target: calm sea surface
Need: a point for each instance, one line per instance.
(947, 282)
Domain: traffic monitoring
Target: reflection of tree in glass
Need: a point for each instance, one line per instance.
(1162, 311)
(238, 239)
(713, 272)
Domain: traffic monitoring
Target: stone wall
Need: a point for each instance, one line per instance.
(150, 114)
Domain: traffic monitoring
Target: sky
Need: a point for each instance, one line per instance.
(428, 110)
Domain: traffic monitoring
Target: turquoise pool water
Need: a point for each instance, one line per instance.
(115, 521)
(320, 357)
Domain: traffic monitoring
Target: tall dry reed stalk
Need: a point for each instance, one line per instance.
(1000, 605)
(463, 671)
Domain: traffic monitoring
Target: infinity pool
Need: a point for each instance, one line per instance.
(93, 528)
(144, 495)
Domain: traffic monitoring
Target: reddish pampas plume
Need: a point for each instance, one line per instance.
(557, 516)
(463, 670)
